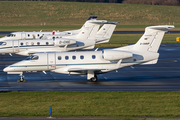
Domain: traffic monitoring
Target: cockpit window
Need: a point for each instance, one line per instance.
(41, 37)
(35, 57)
(32, 57)
(2, 43)
(11, 35)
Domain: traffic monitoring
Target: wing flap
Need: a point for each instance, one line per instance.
(80, 70)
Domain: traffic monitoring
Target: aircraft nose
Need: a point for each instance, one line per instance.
(7, 69)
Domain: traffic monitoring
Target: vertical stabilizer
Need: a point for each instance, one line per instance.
(89, 29)
(151, 39)
(106, 31)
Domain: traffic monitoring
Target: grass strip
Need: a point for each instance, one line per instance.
(90, 104)
(119, 27)
(119, 40)
(20, 13)
(41, 27)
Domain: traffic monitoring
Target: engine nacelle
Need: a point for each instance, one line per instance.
(63, 42)
(115, 54)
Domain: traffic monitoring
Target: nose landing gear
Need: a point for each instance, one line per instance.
(21, 78)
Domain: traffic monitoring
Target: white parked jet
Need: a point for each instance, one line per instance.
(85, 39)
(91, 63)
(37, 35)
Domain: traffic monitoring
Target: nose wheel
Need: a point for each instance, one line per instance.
(21, 78)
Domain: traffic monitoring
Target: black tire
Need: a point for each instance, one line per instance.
(94, 79)
(21, 80)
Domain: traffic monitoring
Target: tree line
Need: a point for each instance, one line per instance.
(148, 2)
(153, 2)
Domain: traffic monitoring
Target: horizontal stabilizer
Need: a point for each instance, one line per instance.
(115, 23)
(98, 22)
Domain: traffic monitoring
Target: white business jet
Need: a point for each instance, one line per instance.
(87, 37)
(36, 35)
(91, 63)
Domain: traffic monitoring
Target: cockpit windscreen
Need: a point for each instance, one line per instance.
(32, 57)
(11, 35)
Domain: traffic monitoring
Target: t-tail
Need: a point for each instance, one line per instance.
(151, 39)
(105, 33)
(89, 29)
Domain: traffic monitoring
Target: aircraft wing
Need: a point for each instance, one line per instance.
(83, 70)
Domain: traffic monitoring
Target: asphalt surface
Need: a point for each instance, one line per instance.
(115, 32)
(58, 119)
(163, 76)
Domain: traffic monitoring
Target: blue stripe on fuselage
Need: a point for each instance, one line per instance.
(63, 64)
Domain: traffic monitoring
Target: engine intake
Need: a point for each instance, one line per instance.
(115, 54)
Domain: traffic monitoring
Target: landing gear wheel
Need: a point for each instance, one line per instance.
(94, 79)
(21, 79)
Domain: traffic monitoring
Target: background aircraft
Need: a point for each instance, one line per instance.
(91, 63)
(85, 39)
(36, 35)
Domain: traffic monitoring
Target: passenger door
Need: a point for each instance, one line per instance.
(23, 36)
(15, 44)
(51, 61)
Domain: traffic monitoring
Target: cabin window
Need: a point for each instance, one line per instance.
(32, 43)
(93, 57)
(2, 43)
(47, 43)
(81, 57)
(67, 57)
(28, 35)
(59, 57)
(38, 43)
(38, 35)
(21, 43)
(57, 37)
(73, 57)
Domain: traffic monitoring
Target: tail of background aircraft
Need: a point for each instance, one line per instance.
(89, 29)
(77, 31)
(151, 39)
(106, 31)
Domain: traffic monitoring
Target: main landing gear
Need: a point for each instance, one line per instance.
(91, 76)
(94, 79)
(21, 78)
